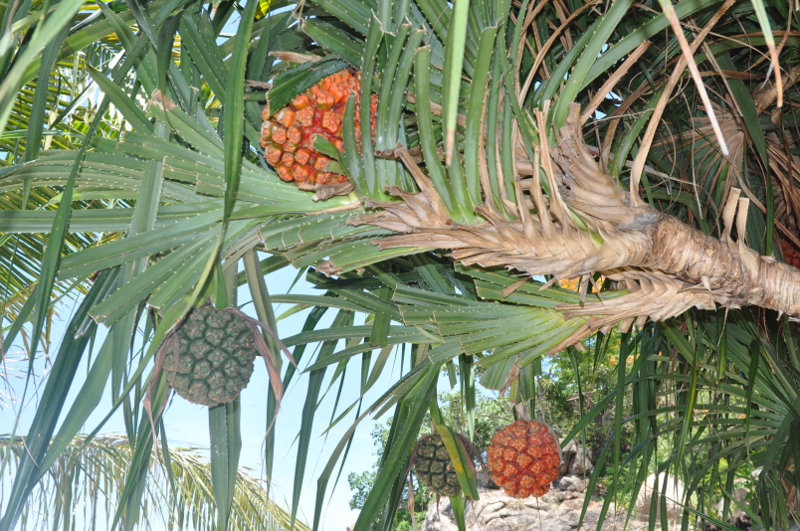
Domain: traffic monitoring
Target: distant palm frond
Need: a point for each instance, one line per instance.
(82, 489)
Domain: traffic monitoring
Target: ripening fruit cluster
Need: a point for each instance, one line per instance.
(791, 254)
(524, 458)
(214, 358)
(288, 135)
(433, 467)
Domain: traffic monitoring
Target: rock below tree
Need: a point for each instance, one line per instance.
(670, 488)
(558, 510)
(576, 459)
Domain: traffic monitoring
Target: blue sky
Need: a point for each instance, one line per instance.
(187, 424)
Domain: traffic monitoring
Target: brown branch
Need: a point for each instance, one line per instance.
(667, 265)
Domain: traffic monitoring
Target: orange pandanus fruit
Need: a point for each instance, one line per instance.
(288, 135)
(524, 458)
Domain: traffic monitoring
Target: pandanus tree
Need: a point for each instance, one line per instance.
(648, 149)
